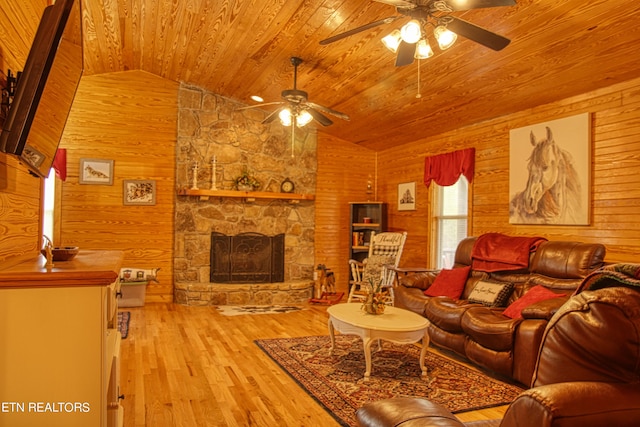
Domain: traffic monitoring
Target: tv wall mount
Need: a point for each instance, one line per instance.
(9, 91)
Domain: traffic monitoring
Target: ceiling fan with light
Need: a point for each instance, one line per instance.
(296, 107)
(410, 42)
(296, 110)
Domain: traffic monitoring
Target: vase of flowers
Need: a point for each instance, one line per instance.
(377, 298)
(246, 181)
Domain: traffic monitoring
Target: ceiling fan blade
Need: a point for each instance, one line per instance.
(328, 110)
(321, 118)
(477, 4)
(477, 34)
(405, 53)
(271, 117)
(402, 4)
(258, 105)
(358, 30)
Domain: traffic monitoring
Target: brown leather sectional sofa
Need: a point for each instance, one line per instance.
(483, 334)
(587, 374)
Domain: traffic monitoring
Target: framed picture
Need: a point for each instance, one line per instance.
(96, 171)
(549, 172)
(32, 156)
(139, 192)
(407, 196)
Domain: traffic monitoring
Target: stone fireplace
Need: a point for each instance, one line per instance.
(209, 126)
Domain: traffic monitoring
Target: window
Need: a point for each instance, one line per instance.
(450, 213)
(49, 204)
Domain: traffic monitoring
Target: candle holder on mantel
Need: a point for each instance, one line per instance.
(217, 175)
(195, 177)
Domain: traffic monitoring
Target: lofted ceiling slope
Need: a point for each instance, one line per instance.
(241, 48)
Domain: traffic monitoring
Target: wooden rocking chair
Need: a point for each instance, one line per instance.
(385, 250)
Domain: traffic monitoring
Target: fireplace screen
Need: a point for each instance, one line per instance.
(247, 258)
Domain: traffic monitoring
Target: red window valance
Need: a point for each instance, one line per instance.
(445, 169)
(60, 163)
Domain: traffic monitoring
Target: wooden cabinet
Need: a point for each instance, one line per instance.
(365, 218)
(60, 355)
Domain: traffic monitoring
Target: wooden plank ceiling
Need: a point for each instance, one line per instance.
(241, 48)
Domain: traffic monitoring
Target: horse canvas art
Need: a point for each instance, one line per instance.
(553, 191)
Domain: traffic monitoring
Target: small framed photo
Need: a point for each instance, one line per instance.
(96, 172)
(32, 156)
(407, 196)
(139, 192)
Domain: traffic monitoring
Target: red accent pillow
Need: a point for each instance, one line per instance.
(536, 294)
(449, 283)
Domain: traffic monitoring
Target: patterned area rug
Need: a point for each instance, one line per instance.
(234, 310)
(123, 323)
(336, 381)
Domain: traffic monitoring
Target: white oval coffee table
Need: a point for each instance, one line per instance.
(396, 325)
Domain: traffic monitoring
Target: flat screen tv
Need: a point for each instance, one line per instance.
(45, 91)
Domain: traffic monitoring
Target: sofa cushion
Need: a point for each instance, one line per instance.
(449, 283)
(489, 328)
(421, 280)
(532, 296)
(567, 260)
(446, 313)
(491, 294)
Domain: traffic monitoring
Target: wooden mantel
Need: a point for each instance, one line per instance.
(205, 194)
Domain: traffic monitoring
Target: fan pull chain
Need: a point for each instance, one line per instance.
(419, 95)
(293, 135)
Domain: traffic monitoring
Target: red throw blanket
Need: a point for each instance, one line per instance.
(498, 252)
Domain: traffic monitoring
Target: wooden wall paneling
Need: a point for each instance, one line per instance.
(19, 192)
(20, 219)
(130, 118)
(17, 29)
(399, 167)
(343, 171)
(614, 181)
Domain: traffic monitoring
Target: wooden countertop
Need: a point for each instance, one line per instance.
(88, 268)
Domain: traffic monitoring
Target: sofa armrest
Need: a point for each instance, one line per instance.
(544, 309)
(405, 412)
(576, 404)
(421, 280)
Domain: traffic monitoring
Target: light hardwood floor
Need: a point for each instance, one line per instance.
(193, 367)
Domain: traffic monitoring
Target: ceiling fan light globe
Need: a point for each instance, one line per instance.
(445, 38)
(392, 40)
(411, 32)
(423, 50)
(285, 117)
(303, 118)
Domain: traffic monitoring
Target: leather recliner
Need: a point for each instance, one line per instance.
(587, 373)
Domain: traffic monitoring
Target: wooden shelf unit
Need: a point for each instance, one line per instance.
(377, 214)
(205, 194)
(60, 358)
